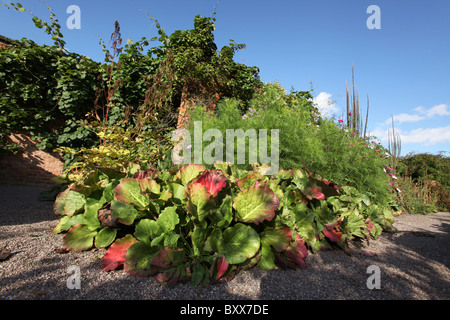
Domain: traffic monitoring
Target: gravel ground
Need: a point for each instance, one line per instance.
(413, 262)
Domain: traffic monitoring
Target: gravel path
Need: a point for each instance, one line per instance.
(413, 262)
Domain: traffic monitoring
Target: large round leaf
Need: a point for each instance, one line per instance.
(125, 213)
(105, 237)
(256, 204)
(79, 238)
(69, 202)
(190, 172)
(129, 191)
(240, 242)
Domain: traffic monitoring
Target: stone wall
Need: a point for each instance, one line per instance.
(31, 166)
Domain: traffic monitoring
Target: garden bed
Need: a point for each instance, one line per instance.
(414, 264)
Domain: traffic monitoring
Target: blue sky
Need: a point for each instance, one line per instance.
(404, 67)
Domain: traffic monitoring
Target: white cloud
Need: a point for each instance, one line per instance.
(404, 117)
(440, 110)
(324, 104)
(421, 113)
(428, 136)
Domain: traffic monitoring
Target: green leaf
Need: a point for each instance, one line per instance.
(79, 238)
(129, 191)
(138, 258)
(279, 239)
(177, 191)
(125, 213)
(105, 237)
(66, 222)
(198, 237)
(147, 229)
(108, 192)
(267, 261)
(256, 204)
(91, 215)
(198, 273)
(148, 185)
(69, 202)
(190, 172)
(200, 202)
(240, 242)
(168, 219)
(61, 226)
(215, 240)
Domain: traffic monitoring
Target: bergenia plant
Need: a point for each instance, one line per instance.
(205, 224)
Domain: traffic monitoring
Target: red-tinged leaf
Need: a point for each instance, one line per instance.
(200, 201)
(334, 224)
(222, 266)
(279, 239)
(167, 258)
(332, 234)
(189, 173)
(115, 256)
(314, 193)
(331, 184)
(299, 247)
(129, 191)
(283, 260)
(163, 277)
(296, 253)
(296, 258)
(249, 180)
(150, 174)
(330, 231)
(213, 180)
(369, 224)
(256, 204)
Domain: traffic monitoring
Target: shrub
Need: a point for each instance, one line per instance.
(424, 181)
(305, 139)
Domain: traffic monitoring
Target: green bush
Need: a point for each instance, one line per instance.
(426, 166)
(424, 182)
(43, 90)
(305, 139)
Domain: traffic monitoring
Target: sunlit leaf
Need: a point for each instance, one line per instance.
(256, 204)
(240, 242)
(129, 191)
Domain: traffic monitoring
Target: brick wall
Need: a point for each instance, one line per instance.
(30, 167)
